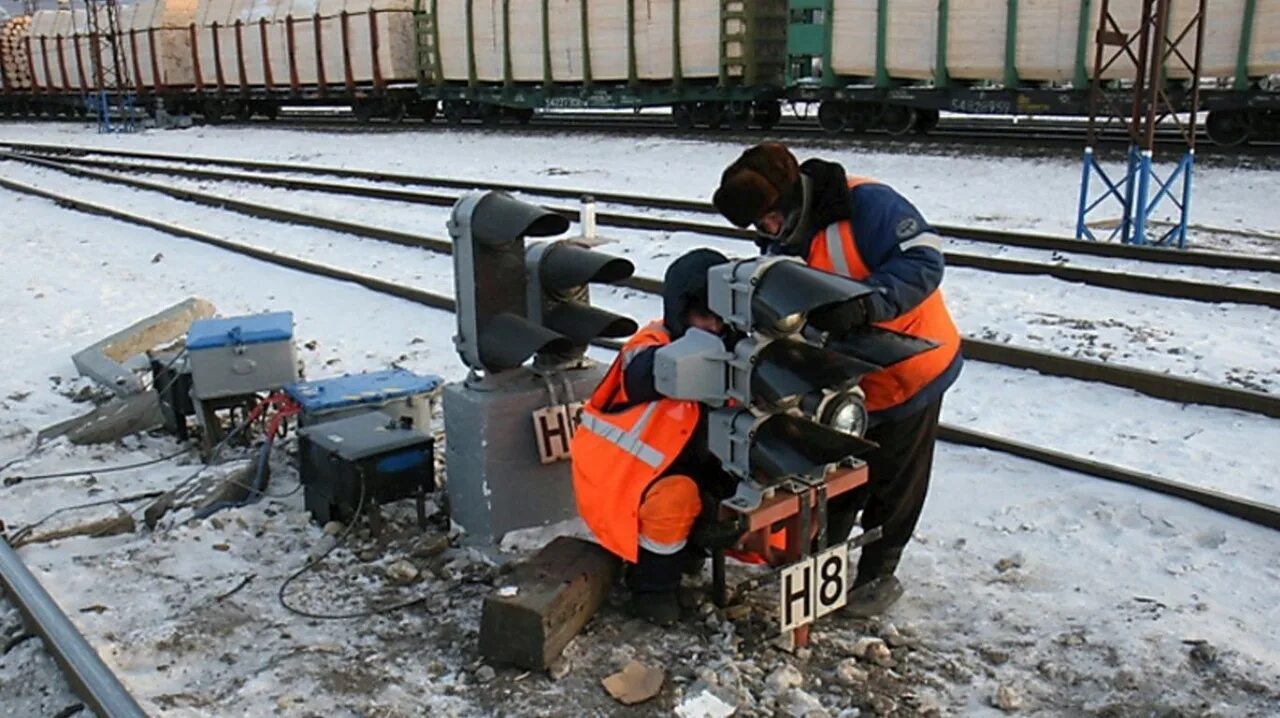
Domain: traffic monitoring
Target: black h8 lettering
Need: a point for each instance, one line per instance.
(791, 594)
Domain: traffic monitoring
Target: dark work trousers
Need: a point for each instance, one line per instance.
(658, 573)
(894, 495)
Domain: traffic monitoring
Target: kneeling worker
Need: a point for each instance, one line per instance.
(640, 459)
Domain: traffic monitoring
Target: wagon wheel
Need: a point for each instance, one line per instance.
(739, 117)
(682, 115)
(926, 121)
(766, 114)
(213, 110)
(490, 115)
(362, 110)
(861, 116)
(1228, 128)
(453, 113)
(523, 115)
(244, 111)
(897, 120)
(833, 117)
(710, 114)
(396, 111)
(269, 110)
(427, 111)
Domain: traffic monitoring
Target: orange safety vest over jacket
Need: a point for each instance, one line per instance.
(621, 448)
(834, 250)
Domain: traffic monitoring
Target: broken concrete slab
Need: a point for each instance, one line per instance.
(104, 361)
(113, 420)
(555, 594)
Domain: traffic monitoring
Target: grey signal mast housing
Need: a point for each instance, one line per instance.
(488, 231)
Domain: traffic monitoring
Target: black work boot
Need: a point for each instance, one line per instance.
(875, 588)
(660, 608)
(874, 597)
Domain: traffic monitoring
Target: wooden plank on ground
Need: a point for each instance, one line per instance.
(532, 616)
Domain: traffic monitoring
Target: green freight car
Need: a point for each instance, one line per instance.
(712, 61)
(895, 64)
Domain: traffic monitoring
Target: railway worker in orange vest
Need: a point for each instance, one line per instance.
(641, 463)
(860, 228)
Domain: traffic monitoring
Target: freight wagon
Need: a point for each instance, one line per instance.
(708, 59)
(895, 64)
(885, 64)
(711, 61)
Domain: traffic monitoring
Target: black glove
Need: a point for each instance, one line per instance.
(841, 318)
(716, 534)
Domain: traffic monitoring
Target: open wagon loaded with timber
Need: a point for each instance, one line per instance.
(714, 62)
(15, 69)
(251, 57)
(876, 64)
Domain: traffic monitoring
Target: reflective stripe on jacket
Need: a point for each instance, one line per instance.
(835, 250)
(621, 448)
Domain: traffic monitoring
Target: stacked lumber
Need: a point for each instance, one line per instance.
(156, 33)
(13, 53)
(315, 32)
(606, 33)
(1047, 34)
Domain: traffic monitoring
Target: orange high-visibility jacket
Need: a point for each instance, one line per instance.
(620, 449)
(834, 250)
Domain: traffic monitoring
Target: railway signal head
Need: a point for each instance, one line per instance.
(766, 379)
(559, 274)
(488, 231)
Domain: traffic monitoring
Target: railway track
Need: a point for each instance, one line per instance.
(179, 165)
(88, 676)
(1126, 281)
(1145, 382)
(1044, 136)
(1163, 386)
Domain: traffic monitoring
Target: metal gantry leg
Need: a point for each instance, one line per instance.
(1151, 47)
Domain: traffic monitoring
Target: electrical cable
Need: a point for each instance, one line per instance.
(342, 538)
(213, 455)
(19, 478)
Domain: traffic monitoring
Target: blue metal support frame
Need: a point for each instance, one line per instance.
(1133, 195)
(1142, 193)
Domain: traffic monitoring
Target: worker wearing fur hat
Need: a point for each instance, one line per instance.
(863, 229)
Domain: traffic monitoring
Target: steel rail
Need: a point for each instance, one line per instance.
(1161, 386)
(1217, 501)
(1196, 258)
(1155, 286)
(89, 677)
(1241, 508)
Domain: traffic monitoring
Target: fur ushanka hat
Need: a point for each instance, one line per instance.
(764, 178)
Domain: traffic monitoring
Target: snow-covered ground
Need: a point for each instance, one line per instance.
(1079, 595)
